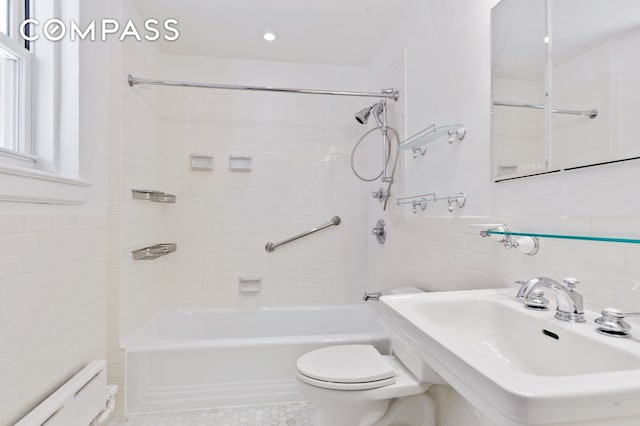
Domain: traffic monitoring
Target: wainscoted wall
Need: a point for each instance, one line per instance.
(52, 304)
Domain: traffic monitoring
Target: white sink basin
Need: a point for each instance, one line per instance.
(517, 366)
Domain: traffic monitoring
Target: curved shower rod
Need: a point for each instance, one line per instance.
(385, 93)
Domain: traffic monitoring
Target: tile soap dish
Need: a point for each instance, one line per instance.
(250, 283)
(202, 162)
(240, 163)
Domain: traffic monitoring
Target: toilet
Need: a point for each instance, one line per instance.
(354, 385)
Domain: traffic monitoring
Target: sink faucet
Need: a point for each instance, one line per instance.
(569, 302)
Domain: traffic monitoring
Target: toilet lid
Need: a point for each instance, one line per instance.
(345, 364)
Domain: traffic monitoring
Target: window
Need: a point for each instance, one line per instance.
(15, 86)
(40, 126)
(8, 100)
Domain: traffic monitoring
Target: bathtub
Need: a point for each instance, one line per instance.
(187, 360)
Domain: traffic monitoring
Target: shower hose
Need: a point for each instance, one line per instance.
(388, 147)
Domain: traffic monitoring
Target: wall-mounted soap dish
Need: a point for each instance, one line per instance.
(154, 252)
(153, 195)
(250, 283)
(240, 163)
(202, 162)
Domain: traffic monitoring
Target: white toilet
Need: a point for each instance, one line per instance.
(354, 385)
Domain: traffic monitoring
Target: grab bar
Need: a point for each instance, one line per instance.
(335, 221)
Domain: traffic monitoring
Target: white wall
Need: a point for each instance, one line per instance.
(448, 81)
(133, 162)
(52, 304)
(605, 77)
(53, 263)
(300, 146)
(518, 138)
(451, 85)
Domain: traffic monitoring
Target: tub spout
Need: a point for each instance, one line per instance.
(371, 296)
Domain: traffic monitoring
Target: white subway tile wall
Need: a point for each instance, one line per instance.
(438, 250)
(52, 304)
(449, 254)
(300, 148)
(132, 125)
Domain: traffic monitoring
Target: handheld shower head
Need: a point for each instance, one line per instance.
(363, 115)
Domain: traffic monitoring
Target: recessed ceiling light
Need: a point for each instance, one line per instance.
(269, 36)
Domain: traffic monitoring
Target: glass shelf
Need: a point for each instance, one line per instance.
(432, 134)
(566, 237)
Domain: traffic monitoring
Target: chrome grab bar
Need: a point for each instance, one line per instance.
(335, 221)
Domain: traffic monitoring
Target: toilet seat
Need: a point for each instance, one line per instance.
(346, 367)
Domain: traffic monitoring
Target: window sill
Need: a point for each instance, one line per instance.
(12, 157)
(21, 185)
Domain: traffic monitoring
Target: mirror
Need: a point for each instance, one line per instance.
(565, 84)
(518, 64)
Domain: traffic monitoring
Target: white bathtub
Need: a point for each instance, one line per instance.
(186, 360)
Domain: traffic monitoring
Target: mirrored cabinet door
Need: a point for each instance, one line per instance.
(595, 57)
(584, 54)
(519, 58)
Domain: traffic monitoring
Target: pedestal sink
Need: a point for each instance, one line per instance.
(517, 366)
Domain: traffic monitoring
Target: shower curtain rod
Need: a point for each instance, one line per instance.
(591, 114)
(385, 93)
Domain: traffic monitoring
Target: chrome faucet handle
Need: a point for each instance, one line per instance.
(379, 195)
(612, 323)
(571, 282)
(536, 301)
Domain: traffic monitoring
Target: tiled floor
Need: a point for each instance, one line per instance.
(290, 414)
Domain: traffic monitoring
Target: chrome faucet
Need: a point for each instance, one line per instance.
(371, 296)
(569, 302)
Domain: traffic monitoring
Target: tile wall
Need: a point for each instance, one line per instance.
(52, 304)
(449, 254)
(300, 178)
(448, 81)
